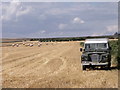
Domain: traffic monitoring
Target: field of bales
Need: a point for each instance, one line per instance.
(51, 65)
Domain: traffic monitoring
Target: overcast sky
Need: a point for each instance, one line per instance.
(58, 19)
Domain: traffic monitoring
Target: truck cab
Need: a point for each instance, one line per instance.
(96, 53)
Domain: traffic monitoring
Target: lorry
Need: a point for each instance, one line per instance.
(96, 53)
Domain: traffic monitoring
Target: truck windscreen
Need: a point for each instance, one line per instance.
(96, 46)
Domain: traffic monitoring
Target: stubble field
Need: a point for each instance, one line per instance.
(56, 65)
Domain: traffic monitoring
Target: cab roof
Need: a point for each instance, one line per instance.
(98, 40)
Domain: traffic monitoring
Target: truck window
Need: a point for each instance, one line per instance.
(96, 45)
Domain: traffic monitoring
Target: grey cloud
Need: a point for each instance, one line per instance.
(34, 17)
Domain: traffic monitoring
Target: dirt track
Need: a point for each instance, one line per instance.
(54, 65)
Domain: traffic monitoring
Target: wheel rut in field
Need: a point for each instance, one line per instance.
(30, 62)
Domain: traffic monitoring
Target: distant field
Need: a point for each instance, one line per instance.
(10, 40)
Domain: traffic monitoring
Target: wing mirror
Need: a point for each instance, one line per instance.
(110, 48)
(81, 49)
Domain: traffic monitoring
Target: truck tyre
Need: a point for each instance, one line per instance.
(109, 64)
(84, 67)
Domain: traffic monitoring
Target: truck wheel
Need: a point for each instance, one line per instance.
(108, 67)
(84, 67)
(109, 64)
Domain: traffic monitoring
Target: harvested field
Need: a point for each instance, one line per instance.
(56, 65)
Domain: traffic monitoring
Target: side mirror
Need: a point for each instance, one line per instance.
(81, 49)
(110, 48)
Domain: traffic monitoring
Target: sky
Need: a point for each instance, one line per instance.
(58, 19)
